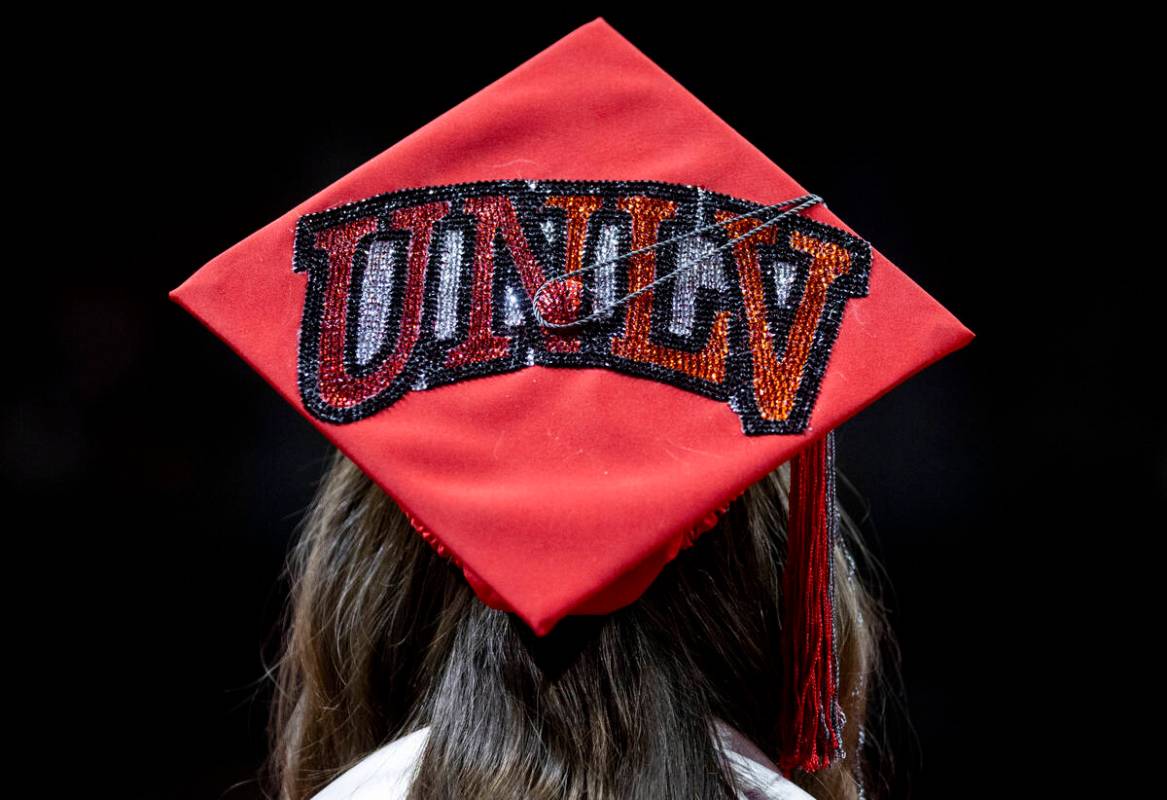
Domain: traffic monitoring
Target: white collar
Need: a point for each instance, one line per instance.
(385, 774)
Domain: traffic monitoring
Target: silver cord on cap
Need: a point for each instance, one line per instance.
(795, 205)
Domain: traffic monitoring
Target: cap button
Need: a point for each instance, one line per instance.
(559, 302)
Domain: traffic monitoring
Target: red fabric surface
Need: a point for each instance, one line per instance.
(566, 490)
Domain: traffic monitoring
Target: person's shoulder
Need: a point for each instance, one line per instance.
(384, 774)
(759, 777)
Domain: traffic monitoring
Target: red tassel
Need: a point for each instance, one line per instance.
(812, 720)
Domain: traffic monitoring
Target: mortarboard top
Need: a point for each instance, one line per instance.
(563, 467)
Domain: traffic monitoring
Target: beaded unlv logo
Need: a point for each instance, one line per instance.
(423, 287)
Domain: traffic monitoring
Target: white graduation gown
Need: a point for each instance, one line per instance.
(385, 773)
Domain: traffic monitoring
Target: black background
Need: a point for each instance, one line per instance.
(162, 477)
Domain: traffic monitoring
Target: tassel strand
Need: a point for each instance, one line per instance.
(812, 719)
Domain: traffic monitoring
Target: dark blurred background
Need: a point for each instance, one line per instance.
(162, 478)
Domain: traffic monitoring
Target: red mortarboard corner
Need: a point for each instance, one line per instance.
(563, 468)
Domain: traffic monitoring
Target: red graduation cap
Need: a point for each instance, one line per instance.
(563, 348)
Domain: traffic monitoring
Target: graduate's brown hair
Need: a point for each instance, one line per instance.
(383, 636)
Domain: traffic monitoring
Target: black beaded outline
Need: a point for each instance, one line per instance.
(425, 369)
